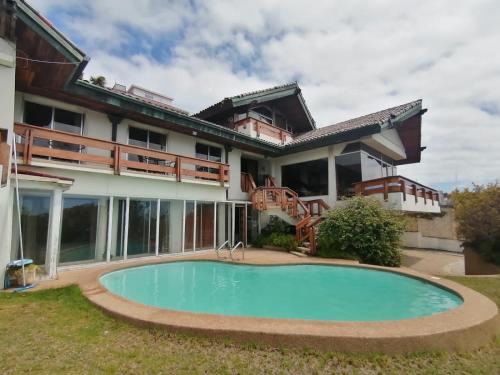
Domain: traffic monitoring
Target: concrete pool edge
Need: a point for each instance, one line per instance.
(468, 326)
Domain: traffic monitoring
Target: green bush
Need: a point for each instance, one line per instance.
(477, 212)
(361, 229)
(286, 241)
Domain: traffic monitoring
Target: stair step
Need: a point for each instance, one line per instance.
(299, 254)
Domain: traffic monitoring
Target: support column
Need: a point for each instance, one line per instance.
(125, 231)
(332, 176)
(157, 236)
(54, 235)
(233, 223)
(110, 230)
(194, 224)
(215, 225)
(183, 234)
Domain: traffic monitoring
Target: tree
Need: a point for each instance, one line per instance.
(98, 80)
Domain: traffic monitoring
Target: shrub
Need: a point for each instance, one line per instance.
(477, 212)
(286, 241)
(361, 229)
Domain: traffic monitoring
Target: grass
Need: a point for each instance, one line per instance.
(59, 331)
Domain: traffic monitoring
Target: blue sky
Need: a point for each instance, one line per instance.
(350, 58)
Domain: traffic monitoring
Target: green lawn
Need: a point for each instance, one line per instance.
(58, 331)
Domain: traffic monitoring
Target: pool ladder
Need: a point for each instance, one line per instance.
(232, 250)
(236, 248)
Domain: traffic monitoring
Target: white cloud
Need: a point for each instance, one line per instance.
(350, 58)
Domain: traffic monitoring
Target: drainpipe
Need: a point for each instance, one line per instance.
(115, 120)
(227, 150)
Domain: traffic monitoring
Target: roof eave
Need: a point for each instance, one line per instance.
(123, 103)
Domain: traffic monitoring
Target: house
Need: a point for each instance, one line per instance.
(108, 174)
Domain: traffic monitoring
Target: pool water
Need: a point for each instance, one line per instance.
(312, 292)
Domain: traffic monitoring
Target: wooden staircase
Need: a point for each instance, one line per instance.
(304, 214)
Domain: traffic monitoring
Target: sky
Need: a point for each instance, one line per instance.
(349, 57)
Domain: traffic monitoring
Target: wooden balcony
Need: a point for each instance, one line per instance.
(259, 129)
(45, 144)
(401, 193)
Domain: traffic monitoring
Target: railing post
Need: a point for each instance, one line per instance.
(28, 147)
(425, 195)
(116, 160)
(386, 191)
(414, 188)
(403, 189)
(178, 168)
(221, 175)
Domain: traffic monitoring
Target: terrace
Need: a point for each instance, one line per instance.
(43, 147)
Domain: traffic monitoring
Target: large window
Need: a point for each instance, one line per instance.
(146, 139)
(83, 230)
(55, 119)
(210, 153)
(141, 228)
(204, 225)
(307, 179)
(359, 162)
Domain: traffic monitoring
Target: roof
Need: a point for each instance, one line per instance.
(154, 103)
(259, 96)
(376, 118)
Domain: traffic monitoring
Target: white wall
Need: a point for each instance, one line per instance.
(7, 93)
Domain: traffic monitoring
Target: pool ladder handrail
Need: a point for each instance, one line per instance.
(235, 248)
(225, 244)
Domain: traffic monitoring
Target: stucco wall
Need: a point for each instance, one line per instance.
(7, 85)
(436, 232)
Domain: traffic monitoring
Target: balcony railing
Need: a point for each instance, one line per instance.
(260, 128)
(36, 142)
(397, 184)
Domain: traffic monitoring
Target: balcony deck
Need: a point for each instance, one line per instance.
(262, 130)
(401, 193)
(35, 144)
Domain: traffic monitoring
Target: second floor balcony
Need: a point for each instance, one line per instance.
(51, 148)
(256, 126)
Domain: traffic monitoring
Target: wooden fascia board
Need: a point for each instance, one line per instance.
(123, 103)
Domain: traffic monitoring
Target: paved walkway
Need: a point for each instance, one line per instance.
(434, 262)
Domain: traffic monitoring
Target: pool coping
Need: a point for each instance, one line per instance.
(468, 326)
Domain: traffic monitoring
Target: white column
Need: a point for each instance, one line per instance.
(125, 231)
(245, 225)
(110, 230)
(194, 224)
(157, 243)
(54, 232)
(332, 176)
(215, 225)
(183, 235)
(233, 212)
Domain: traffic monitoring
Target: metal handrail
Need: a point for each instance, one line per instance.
(221, 247)
(235, 248)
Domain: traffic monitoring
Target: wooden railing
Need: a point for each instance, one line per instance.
(308, 213)
(262, 128)
(247, 183)
(87, 151)
(316, 206)
(396, 184)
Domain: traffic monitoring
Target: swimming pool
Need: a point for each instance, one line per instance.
(310, 292)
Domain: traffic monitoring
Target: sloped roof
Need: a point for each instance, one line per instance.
(258, 96)
(376, 118)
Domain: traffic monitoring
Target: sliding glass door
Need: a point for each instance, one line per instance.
(83, 230)
(35, 213)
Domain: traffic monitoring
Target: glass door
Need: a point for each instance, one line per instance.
(35, 213)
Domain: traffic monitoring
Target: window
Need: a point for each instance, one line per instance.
(55, 119)
(307, 179)
(146, 139)
(210, 153)
(83, 230)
